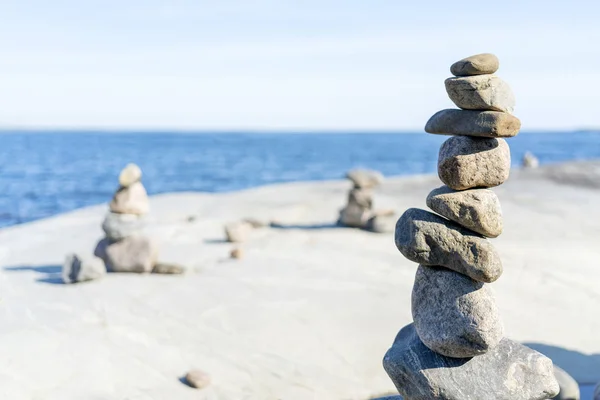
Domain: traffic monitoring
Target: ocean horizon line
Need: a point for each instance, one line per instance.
(149, 131)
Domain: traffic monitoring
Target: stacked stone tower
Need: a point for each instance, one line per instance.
(359, 210)
(456, 349)
(126, 248)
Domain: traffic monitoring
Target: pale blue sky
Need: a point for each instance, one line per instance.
(277, 64)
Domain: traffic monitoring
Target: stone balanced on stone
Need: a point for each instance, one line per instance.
(456, 349)
(359, 212)
(126, 248)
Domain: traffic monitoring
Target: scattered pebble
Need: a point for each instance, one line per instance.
(197, 379)
(237, 253)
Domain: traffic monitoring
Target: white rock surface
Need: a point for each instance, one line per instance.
(307, 314)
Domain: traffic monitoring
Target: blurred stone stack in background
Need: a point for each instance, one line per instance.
(456, 348)
(359, 212)
(126, 248)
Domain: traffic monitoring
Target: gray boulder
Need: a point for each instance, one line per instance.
(491, 124)
(510, 371)
(569, 388)
(133, 254)
(119, 226)
(80, 269)
(365, 178)
(476, 65)
(454, 315)
(597, 392)
(476, 209)
(131, 199)
(482, 92)
(465, 162)
(431, 240)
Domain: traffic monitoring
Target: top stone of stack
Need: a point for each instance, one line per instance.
(130, 175)
(365, 178)
(479, 64)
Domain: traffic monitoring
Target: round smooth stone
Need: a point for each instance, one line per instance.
(476, 209)
(465, 162)
(454, 315)
(478, 64)
(482, 92)
(429, 239)
(129, 175)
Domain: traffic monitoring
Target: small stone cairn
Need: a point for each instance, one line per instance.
(455, 349)
(359, 212)
(126, 248)
(530, 161)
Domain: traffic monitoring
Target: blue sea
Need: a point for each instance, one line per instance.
(47, 173)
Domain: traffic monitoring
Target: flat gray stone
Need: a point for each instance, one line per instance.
(492, 124)
(431, 240)
(119, 226)
(510, 371)
(479, 64)
(569, 388)
(482, 92)
(476, 209)
(365, 178)
(168, 268)
(454, 315)
(80, 269)
(465, 162)
(133, 254)
(131, 199)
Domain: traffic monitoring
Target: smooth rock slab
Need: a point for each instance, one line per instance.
(431, 240)
(569, 388)
(80, 269)
(133, 254)
(483, 92)
(131, 199)
(465, 162)
(479, 64)
(119, 226)
(454, 315)
(365, 178)
(510, 371)
(476, 209)
(492, 124)
(129, 175)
